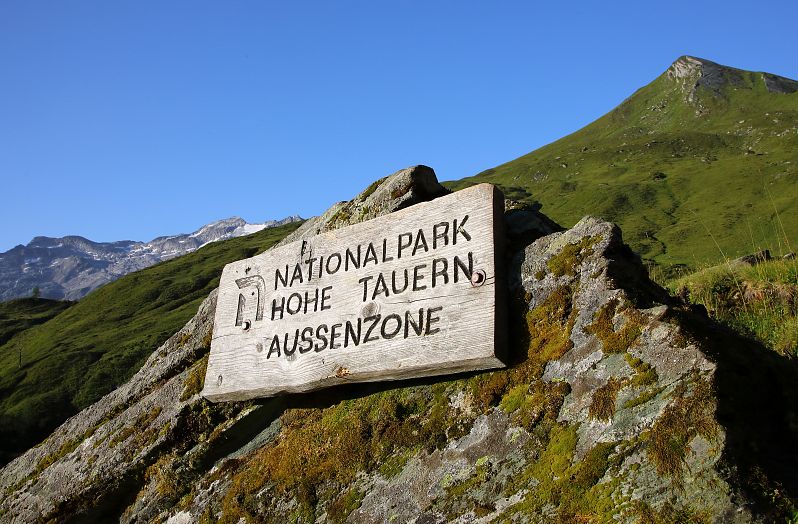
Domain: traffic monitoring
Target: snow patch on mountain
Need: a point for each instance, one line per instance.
(72, 266)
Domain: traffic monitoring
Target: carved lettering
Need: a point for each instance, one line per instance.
(260, 288)
(392, 297)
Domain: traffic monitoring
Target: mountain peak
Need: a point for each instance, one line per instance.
(686, 66)
(696, 72)
(228, 221)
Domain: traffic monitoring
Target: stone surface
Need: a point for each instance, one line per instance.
(87, 458)
(754, 258)
(620, 403)
(400, 190)
(695, 73)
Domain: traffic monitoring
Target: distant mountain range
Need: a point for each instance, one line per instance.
(68, 268)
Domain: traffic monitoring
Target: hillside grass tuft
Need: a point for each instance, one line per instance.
(760, 301)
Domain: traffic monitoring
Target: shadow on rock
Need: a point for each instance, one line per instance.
(757, 392)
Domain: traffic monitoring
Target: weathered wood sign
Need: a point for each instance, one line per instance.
(415, 293)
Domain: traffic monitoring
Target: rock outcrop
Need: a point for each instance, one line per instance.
(695, 73)
(398, 191)
(619, 403)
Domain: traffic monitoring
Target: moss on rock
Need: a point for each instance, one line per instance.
(570, 488)
(571, 256)
(645, 374)
(687, 416)
(549, 325)
(344, 505)
(603, 327)
(602, 407)
(195, 379)
(140, 430)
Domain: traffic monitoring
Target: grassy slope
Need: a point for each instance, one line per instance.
(758, 301)
(675, 181)
(95, 345)
(22, 313)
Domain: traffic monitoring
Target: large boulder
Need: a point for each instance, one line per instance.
(397, 191)
(619, 403)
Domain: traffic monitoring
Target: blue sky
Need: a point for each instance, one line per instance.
(129, 120)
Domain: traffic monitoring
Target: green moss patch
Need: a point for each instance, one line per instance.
(550, 324)
(206, 340)
(571, 256)
(140, 430)
(184, 338)
(394, 464)
(195, 379)
(543, 400)
(372, 188)
(514, 398)
(341, 507)
(604, 329)
(642, 398)
(161, 472)
(645, 374)
(682, 420)
(602, 407)
(66, 448)
(572, 487)
(669, 514)
(341, 217)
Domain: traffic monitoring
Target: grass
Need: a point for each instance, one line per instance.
(667, 175)
(759, 301)
(20, 314)
(93, 346)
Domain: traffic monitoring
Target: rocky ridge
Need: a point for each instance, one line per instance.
(619, 403)
(695, 73)
(68, 268)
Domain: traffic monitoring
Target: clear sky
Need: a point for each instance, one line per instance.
(133, 119)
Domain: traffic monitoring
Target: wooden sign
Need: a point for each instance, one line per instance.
(415, 293)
